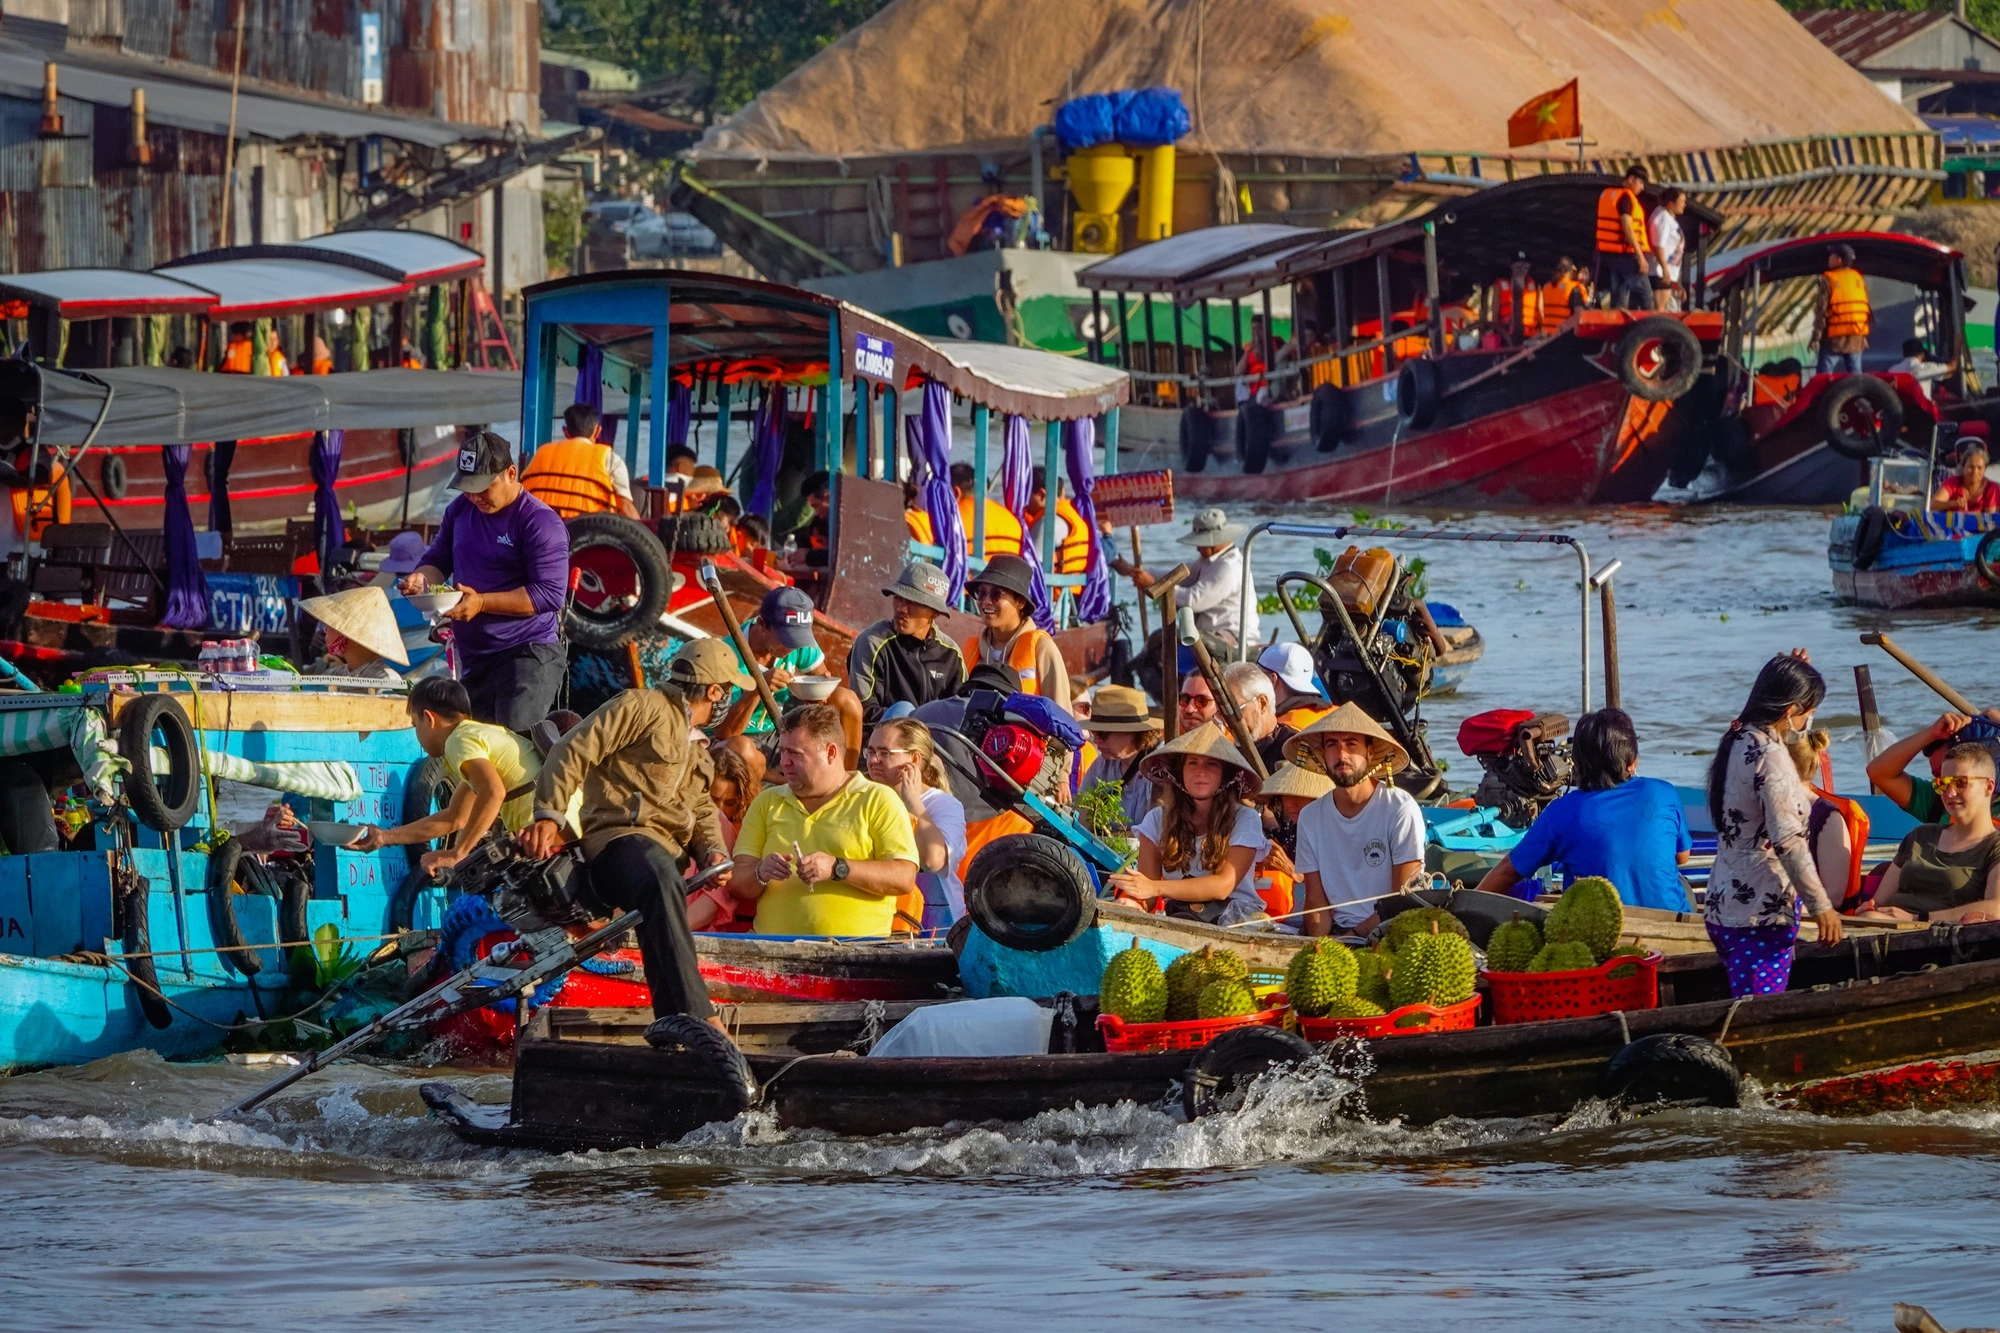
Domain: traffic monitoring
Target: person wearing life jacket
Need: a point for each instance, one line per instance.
(37, 507)
(1841, 322)
(239, 357)
(1529, 323)
(410, 360)
(1003, 530)
(322, 360)
(1836, 827)
(1567, 294)
(1289, 790)
(1623, 254)
(916, 518)
(1073, 541)
(1290, 668)
(1003, 594)
(1253, 368)
(577, 475)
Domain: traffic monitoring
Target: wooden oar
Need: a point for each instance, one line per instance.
(1922, 673)
(1225, 702)
(1162, 591)
(713, 582)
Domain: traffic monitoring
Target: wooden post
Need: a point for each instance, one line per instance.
(1162, 592)
(1110, 441)
(1096, 326)
(1151, 387)
(1124, 335)
(1432, 301)
(981, 424)
(1180, 353)
(1225, 703)
(1269, 350)
(1610, 613)
(1139, 562)
(1201, 361)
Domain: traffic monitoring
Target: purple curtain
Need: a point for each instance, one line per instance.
(767, 435)
(325, 460)
(1017, 487)
(590, 376)
(1079, 438)
(929, 437)
(187, 590)
(680, 412)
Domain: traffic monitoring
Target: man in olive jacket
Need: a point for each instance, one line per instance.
(645, 806)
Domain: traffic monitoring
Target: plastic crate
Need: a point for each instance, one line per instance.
(1189, 1035)
(1412, 1020)
(1540, 997)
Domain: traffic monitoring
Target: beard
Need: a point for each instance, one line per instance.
(1348, 775)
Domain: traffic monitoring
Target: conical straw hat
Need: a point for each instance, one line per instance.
(1291, 780)
(1348, 718)
(1207, 740)
(363, 615)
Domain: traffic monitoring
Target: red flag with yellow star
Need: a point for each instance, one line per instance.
(1550, 115)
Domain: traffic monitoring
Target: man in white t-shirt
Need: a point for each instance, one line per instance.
(1669, 247)
(1364, 839)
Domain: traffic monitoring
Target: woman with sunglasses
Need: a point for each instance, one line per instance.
(1949, 872)
(1003, 594)
(902, 757)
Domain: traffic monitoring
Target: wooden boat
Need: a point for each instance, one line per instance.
(1910, 558)
(1856, 1012)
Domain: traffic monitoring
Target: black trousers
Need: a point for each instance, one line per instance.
(518, 687)
(634, 873)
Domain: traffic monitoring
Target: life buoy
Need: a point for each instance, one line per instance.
(112, 477)
(1257, 427)
(1659, 359)
(735, 1087)
(1029, 892)
(1675, 1068)
(162, 801)
(223, 863)
(1221, 1070)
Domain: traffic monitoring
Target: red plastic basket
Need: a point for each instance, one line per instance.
(1412, 1020)
(1183, 1036)
(1539, 997)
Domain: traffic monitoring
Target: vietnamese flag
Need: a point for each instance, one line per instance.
(1550, 115)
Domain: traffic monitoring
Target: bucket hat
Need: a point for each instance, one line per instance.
(406, 552)
(1212, 528)
(1210, 742)
(363, 615)
(1382, 747)
(922, 584)
(1009, 573)
(1119, 708)
(1291, 780)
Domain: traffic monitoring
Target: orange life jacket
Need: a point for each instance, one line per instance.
(1254, 370)
(572, 477)
(36, 498)
(1073, 547)
(1531, 307)
(918, 522)
(979, 832)
(1021, 656)
(1559, 299)
(1846, 303)
(1276, 888)
(236, 357)
(1610, 236)
(1298, 719)
(1003, 530)
(1856, 819)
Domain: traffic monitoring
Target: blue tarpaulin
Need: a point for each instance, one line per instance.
(1135, 117)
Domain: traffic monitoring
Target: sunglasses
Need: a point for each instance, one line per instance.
(1198, 700)
(1963, 782)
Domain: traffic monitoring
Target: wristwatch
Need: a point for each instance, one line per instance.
(840, 867)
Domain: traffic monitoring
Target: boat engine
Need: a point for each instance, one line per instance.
(530, 894)
(1526, 760)
(1376, 647)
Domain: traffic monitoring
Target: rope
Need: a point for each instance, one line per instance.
(225, 1027)
(1624, 1028)
(280, 944)
(1728, 1018)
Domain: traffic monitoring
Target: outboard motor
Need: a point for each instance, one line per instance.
(528, 893)
(1526, 760)
(1376, 648)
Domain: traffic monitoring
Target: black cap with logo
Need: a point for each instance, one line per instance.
(481, 458)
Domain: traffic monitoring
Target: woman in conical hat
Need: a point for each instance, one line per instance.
(1198, 846)
(361, 632)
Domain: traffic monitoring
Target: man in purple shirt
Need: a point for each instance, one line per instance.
(509, 553)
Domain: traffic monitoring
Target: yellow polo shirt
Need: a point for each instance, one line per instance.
(863, 821)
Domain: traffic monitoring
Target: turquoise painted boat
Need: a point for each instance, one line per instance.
(111, 944)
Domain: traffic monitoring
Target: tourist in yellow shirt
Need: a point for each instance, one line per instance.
(830, 853)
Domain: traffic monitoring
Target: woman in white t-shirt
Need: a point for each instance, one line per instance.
(901, 756)
(1198, 846)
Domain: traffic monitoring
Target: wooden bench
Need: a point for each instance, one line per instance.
(90, 562)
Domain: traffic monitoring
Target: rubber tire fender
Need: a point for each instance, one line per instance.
(1328, 420)
(1027, 891)
(696, 534)
(112, 476)
(161, 806)
(1197, 437)
(1680, 351)
(1257, 425)
(1673, 1067)
(425, 792)
(1419, 388)
(1983, 562)
(143, 977)
(1231, 1061)
(655, 578)
(1873, 530)
(693, 1035)
(223, 864)
(403, 902)
(1888, 407)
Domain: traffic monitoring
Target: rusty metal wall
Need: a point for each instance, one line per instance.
(475, 62)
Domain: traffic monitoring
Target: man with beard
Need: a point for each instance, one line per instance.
(1364, 839)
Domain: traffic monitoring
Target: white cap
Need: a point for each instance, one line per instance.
(1291, 663)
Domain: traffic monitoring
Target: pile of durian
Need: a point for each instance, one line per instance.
(1210, 983)
(1582, 931)
(1423, 957)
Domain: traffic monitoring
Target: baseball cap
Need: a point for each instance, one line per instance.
(1291, 663)
(788, 614)
(708, 662)
(480, 459)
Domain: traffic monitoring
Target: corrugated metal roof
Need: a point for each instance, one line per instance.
(102, 293)
(401, 256)
(1857, 35)
(1165, 264)
(246, 288)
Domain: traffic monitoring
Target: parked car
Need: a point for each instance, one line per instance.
(640, 224)
(687, 235)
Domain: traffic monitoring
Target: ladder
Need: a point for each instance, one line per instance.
(488, 332)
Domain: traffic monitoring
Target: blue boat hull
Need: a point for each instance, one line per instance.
(1909, 572)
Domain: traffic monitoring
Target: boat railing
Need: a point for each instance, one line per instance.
(1356, 363)
(1341, 532)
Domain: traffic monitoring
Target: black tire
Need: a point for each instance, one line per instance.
(1982, 559)
(138, 961)
(1218, 1072)
(112, 477)
(1197, 437)
(1329, 420)
(425, 792)
(1873, 530)
(294, 892)
(1659, 359)
(1256, 427)
(738, 1086)
(27, 821)
(1029, 892)
(1675, 1068)
(223, 865)
(1860, 416)
(403, 902)
(625, 584)
(1419, 388)
(162, 801)
(695, 534)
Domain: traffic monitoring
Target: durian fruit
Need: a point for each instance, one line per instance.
(1420, 921)
(1355, 1007)
(1624, 970)
(1320, 974)
(1563, 956)
(1436, 969)
(1591, 912)
(1513, 946)
(1186, 976)
(1133, 987)
(1225, 997)
(1227, 963)
(1371, 980)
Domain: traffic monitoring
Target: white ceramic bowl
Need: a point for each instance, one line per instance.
(814, 689)
(332, 833)
(436, 603)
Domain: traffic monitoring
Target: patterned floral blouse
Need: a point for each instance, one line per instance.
(1763, 858)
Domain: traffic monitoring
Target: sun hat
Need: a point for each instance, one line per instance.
(1291, 780)
(480, 459)
(1292, 663)
(1119, 708)
(788, 614)
(1009, 573)
(1348, 718)
(1212, 528)
(922, 584)
(708, 662)
(706, 480)
(362, 615)
(406, 552)
(1208, 741)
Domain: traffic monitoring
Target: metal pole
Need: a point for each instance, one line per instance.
(1432, 299)
(721, 422)
(1342, 320)
(1096, 326)
(836, 417)
(1602, 581)
(1201, 362)
(1052, 473)
(1110, 441)
(1124, 335)
(981, 423)
(1267, 351)
(1382, 304)
(1151, 387)
(1180, 355)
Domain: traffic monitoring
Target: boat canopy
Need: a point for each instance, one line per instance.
(415, 257)
(1172, 264)
(105, 293)
(267, 287)
(145, 405)
(1879, 254)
